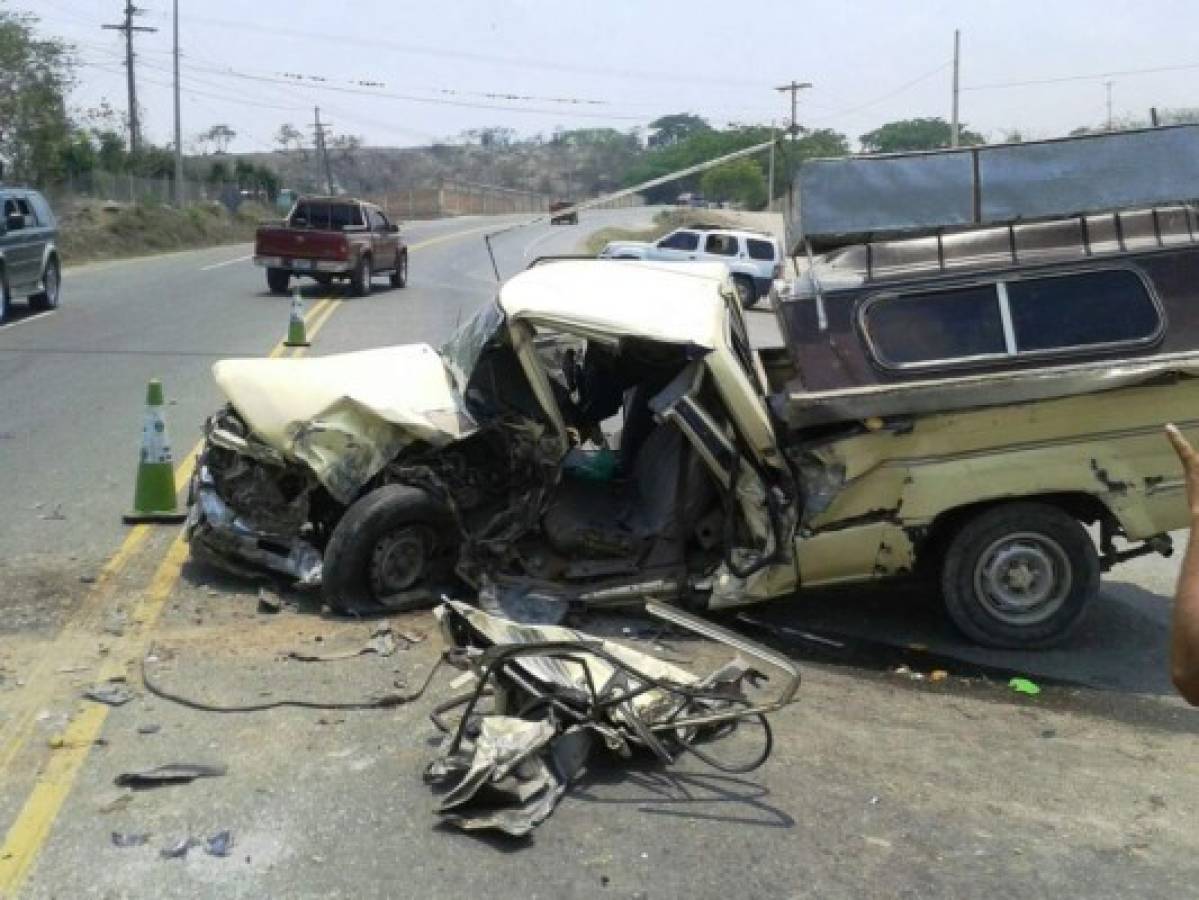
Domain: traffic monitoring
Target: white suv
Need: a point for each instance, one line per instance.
(754, 257)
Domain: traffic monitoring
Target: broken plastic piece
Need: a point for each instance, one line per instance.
(176, 773)
(220, 844)
(1024, 686)
(112, 693)
(177, 849)
(129, 839)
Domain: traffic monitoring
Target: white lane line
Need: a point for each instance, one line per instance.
(227, 262)
(540, 239)
(40, 315)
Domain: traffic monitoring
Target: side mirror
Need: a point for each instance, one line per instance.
(14, 222)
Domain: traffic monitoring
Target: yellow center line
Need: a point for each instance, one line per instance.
(29, 831)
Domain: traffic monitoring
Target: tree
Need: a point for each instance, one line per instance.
(35, 77)
(740, 180)
(674, 128)
(111, 155)
(916, 134)
(288, 137)
(218, 173)
(219, 135)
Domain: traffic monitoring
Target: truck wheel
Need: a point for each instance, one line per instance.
(277, 280)
(1019, 576)
(747, 292)
(394, 540)
(360, 281)
(399, 275)
(47, 298)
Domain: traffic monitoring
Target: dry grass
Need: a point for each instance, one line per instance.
(95, 231)
(665, 221)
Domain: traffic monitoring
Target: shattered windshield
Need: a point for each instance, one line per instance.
(461, 352)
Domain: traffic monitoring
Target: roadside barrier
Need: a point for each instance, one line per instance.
(297, 335)
(154, 495)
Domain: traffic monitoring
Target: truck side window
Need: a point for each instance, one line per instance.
(680, 240)
(938, 326)
(721, 244)
(1080, 310)
(1067, 312)
(10, 209)
(26, 210)
(763, 250)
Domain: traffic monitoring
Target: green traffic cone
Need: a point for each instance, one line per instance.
(154, 496)
(297, 336)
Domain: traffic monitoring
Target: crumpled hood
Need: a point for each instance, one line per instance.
(347, 415)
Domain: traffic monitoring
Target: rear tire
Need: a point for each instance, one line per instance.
(360, 280)
(52, 284)
(278, 280)
(747, 291)
(1019, 576)
(399, 275)
(394, 540)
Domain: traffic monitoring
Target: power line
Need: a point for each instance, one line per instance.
(1096, 76)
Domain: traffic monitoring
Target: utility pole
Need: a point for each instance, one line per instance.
(128, 28)
(770, 178)
(955, 132)
(794, 87)
(179, 198)
(322, 151)
(1108, 85)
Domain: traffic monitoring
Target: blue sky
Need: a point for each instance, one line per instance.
(430, 66)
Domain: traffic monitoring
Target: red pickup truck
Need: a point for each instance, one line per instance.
(327, 238)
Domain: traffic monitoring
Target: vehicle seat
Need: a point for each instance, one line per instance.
(623, 518)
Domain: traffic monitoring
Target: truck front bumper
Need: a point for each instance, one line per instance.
(305, 266)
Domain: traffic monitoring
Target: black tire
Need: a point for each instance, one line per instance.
(747, 291)
(1049, 552)
(52, 282)
(399, 275)
(360, 566)
(278, 280)
(5, 299)
(360, 280)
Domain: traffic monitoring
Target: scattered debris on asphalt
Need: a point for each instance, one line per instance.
(220, 844)
(175, 773)
(114, 692)
(149, 728)
(1024, 686)
(382, 642)
(116, 803)
(129, 839)
(558, 693)
(177, 849)
(268, 603)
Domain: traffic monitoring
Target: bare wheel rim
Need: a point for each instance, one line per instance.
(1023, 578)
(400, 560)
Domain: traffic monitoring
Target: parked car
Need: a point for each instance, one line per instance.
(29, 262)
(754, 258)
(570, 219)
(957, 409)
(332, 238)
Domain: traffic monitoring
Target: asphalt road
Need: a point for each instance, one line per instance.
(883, 783)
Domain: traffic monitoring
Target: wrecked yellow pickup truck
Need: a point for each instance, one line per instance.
(962, 389)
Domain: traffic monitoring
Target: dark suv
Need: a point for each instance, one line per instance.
(29, 264)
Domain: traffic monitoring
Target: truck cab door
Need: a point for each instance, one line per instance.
(677, 246)
(22, 249)
(383, 241)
